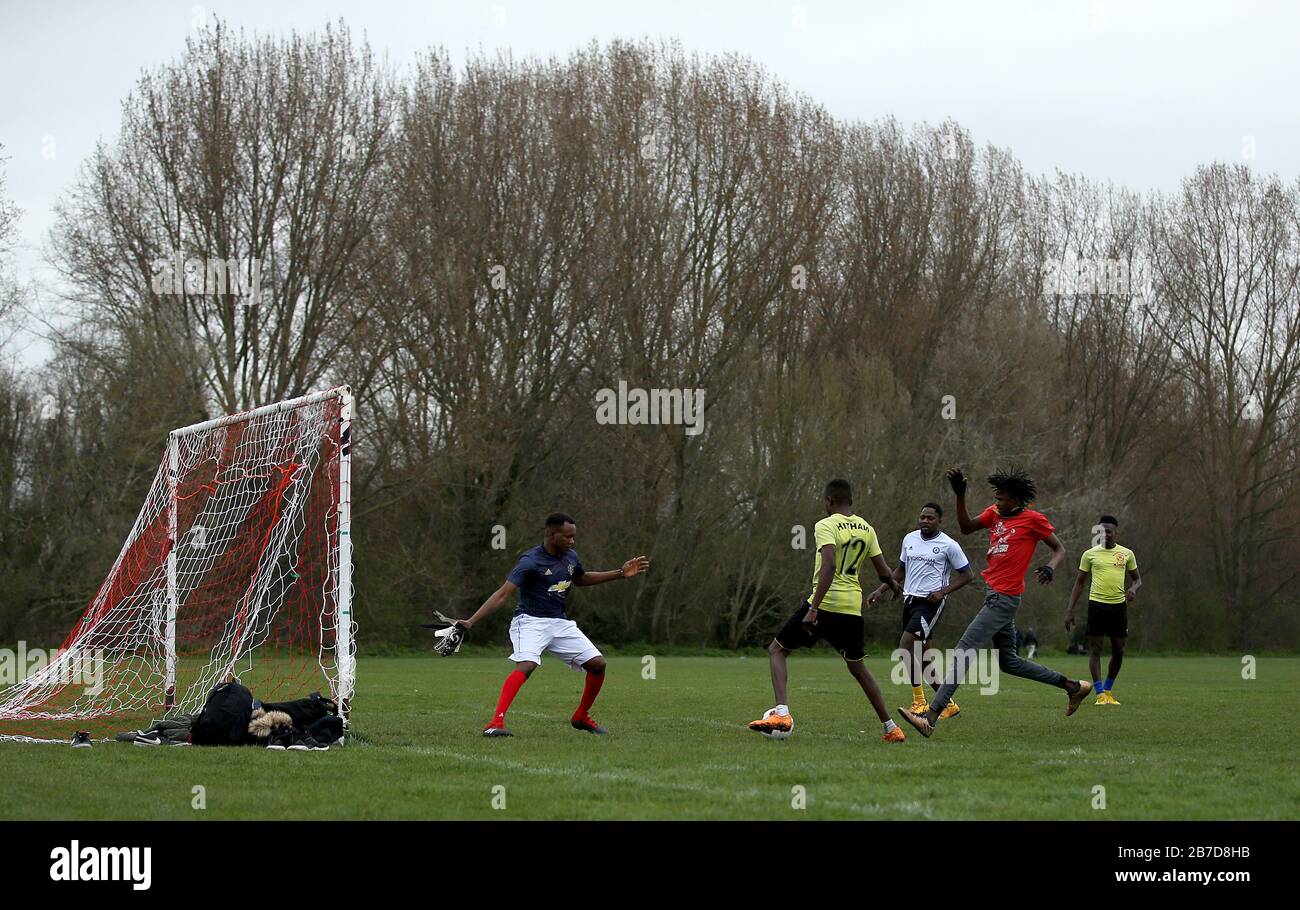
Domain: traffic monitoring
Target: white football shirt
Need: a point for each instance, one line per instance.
(929, 562)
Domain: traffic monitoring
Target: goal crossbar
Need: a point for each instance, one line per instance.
(287, 405)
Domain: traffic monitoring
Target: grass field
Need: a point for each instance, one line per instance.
(1192, 740)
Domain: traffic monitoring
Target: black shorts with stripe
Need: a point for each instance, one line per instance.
(842, 631)
(1107, 620)
(921, 615)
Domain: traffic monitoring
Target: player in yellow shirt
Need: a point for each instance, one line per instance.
(1109, 567)
(845, 543)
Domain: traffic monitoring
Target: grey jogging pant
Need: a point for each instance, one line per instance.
(995, 622)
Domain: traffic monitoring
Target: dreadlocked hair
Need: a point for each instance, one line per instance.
(1014, 482)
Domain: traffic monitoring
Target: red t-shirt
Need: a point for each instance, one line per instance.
(1011, 546)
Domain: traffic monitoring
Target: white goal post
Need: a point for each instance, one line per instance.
(239, 565)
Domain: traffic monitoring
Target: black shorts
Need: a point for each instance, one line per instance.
(1107, 620)
(841, 631)
(920, 616)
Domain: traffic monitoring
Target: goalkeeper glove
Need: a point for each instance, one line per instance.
(449, 634)
(957, 480)
(450, 639)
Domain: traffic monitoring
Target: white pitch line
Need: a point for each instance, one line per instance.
(637, 780)
(582, 774)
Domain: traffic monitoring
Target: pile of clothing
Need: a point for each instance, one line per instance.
(232, 717)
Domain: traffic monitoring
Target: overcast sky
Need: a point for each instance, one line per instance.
(1134, 92)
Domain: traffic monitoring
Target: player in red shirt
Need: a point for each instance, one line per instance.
(1014, 533)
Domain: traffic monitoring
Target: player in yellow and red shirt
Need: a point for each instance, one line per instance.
(846, 545)
(1014, 532)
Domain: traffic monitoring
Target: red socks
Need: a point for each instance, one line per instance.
(589, 693)
(517, 678)
(508, 693)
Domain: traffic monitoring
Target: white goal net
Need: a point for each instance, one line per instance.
(238, 566)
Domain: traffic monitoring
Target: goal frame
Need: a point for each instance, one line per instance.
(344, 655)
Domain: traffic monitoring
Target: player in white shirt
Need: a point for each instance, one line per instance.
(925, 565)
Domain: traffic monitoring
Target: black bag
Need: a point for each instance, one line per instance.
(224, 718)
(305, 711)
(327, 730)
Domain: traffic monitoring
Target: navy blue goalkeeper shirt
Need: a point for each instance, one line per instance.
(544, 581)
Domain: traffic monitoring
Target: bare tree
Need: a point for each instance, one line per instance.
(260, 156)
(481, 251)
(1229, 288)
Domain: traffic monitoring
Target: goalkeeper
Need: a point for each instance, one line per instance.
(1014, 532)
(543, 576)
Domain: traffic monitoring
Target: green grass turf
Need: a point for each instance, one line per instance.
(1191, 740)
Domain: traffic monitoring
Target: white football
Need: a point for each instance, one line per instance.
(777, 734)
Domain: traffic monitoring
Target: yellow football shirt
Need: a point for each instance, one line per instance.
(855, 543)
(1108, 569)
